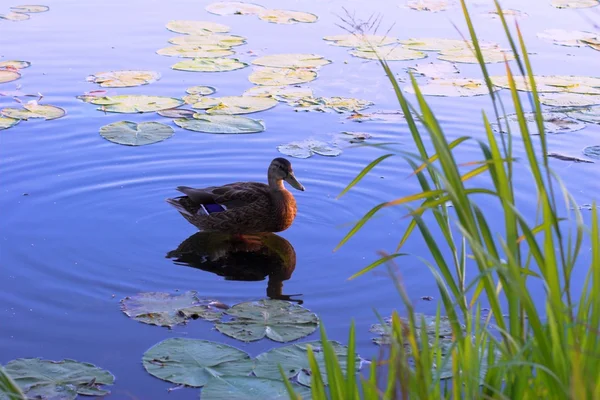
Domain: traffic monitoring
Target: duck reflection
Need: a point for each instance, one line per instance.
(241, 258)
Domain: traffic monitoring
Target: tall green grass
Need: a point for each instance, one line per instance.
(531, 352)
(8, 388)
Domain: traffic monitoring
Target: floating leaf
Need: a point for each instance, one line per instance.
(190, 27)
(434, 70)
(30, 9)
(286, 16)
(210, 65)
(32, 110)
(351, 40)
(133, 134)
(591, 115)
(356, 137)
(306, 148)
(294, 361)
(594, 43)
(176, 113)
(8, 76)
(553, 123)
(234, 104)
(466, 55)
(280, 93)
(201, 90)
(6, 122)
(133, 103)
(281, 76)
(16, 64)
(249, 388)
(193, 362)
(326, 104)
(569, 99)
(277, 320)
(508, 13)
(215, 40)
(117, 79)
(429, 5)
(444, 333)
(196, 51)
(567, 38)
(574, 3)
(234, 8)
(221, 124)
(455, 87)
(592, 152)
(60, 380)
(14, 16)
(384, 116)
(548, 84)
(436, 44)
(564, 157)
(388, 53)
(292, 60)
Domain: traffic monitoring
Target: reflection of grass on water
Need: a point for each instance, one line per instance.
(545, 352)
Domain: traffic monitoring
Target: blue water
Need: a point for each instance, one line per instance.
(83, 222)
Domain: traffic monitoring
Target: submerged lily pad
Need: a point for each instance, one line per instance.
(351, 40)
(233, 8)
(389, 53)
(553, 123)
(281, 76)
(133, 103)
(193, 362)
(434, 70)
(549, 84)
(8, 76)
(6, 122)
(277, 320)
(214, 39)
(326, 104)
(249, 388)
(280, 93)
(190, 27)
(133, 134)
(286, 16)
(117, 79)
(201, 90)
(16, 64)
(196, 51)
(429, 5)
(210, 65)
(466, 55)
(221, 124)
(592, 152)
(454, 87)
(234, 104)
(61, 380)
(569, 99)
(33, 110)
(575, 3)
(15, 16)
(291, 60)
(306, 148)
(176, 113)
(567, 38)
(30, 9)
(591, 115)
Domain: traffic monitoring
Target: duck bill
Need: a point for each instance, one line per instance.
(291, 179)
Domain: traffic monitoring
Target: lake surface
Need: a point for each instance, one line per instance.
(84, 222)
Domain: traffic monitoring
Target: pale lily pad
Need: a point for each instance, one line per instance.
(133, 103)
(455, 87)
(291, 60)
(281, 76)
(434, 70)
(249, 388)
(210, 65)
(8, 76)
(592, 152)
(280, 93)
(15, 16)
(16, 64)
(508, 13)
(306, 148)
(549, 84)
(553, 123)
(567, 38)
(466, 55)
(444, 333)
(294, 361)
(566, 157)
(196, 51)
(383, 116)
(351, 40)
(193, 362)
(6, 122)
(429, 5)
(591, 115)
(30, 9)
(60, 380)
(326, 104)
(277, 320)
(356, 137)
(388, 53)
(286, 16)
(34, 110)
(190, 27)
(176, 113)
(221, 124)
(575, 3)
(435, 44)
(214, 39)
(569, 99)
(234, 8)
(234, 104)
(201, 90)
(133, 134)
(118, 79)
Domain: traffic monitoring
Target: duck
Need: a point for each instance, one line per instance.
(243, 208)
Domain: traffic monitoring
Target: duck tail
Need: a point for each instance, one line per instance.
(175, 203)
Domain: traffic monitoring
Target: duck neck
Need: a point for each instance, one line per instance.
(276, 183)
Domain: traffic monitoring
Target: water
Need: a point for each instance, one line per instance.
(84, 222)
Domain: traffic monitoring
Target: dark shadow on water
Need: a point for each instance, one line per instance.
(236, 258)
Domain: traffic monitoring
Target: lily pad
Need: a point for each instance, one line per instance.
(466, 55)
(201, 90)
(132, 134)
(281, 76)
(233, 8)
(567, 38)
(575, 3)
(383, 116)
(294, 361)
(569, 99)
(193, 362)
(306, 148)
(16, 64)
(277, 320)
(388, 53)
(190, 27)
(249, 388)
(221, 124)
(133, 103)
(594, 43)
(30, 9)
(196, 51)
(549, 84)
(429, 5)
(6, 122)
(8, 76)
(326, 104)
(454, 87)
(64, 380)
(280, 93)
(234, 104)
(434, 70)
(591, 115)
(553, 123)
(292, 60)
(33, 110)
(15, 16)
(210, 65)
(214, 39)
(508, 13)
(592, 152)
(176, 113)
(286, 16)
(444, 334)
(566, 157)
(117, 79)
(435, 44)
(351, 40)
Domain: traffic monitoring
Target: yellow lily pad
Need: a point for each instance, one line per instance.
(575, 3)
(16, 64)
(214, 39)
(231, 105)
(591, 114)
(193, 51)
(466, 55)
(30, 9)
(429, 5)
(326, 104)
(567, 38)
(133, 103)
(136, 134)
(455, 87)
(434, 70)
(233, 8)
(389, 53)
(281, 76)
(569, 99)
(190, 27)
(286, 16)
(117, 79)
(351, 40)
(201, 90)
(221, 124)
(291, 60)
(15, 16)
(33, 110)
(6, 122)
(210, 65)
(8, 76)
(553, 123)
(280, 93)
(549, 84)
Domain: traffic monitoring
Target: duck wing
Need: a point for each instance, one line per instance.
(234, 195)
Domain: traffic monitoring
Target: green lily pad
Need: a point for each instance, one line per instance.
(294, 361)
(8, 76)
(434, 70)
(63, 380)
(291, 60)
(15, 64)
(574, 3)
(32, 110)
(249, 388)
(452, 87)
(210, 65)
(326, 104)
(6, 122)
(351, 40)
(133, 134)
(281, 76)
(436, 44)
(233, 8)
(196, 51)
(30, 9)
(466, 55)
(549, 84)
(444, 334)
(286, 16)
(133, 103)
(306, 148)
(193, 362)
(117, 79)
(567, 38)
(234, 104)
(214, 39)
(429, 5)
(190, 27)
(15, 16)
(592, 152)
(389, 53)
(591, 115)
(553, 123)
(176, 113)
(221, 124)
(277, 320)
(285, 94)
(569, 99)
(201, 90)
